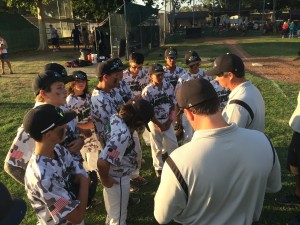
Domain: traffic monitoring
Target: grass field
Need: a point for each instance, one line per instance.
(16, 97)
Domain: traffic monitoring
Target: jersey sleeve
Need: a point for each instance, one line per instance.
(170, 199)
(56, 199)
(116, 145)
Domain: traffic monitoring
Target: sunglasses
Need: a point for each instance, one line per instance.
(80, 76)
(193, 58)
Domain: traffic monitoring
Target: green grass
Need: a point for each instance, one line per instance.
(16, 97)
(271, 46)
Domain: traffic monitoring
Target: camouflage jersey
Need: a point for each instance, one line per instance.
(120, 149)
(161, 100)
(104, 105)
(137, 83)
(47, 184)
(223, 93)
(23, 146)
(190, 76)
(172, 78)
(123, 91)
(82, 106)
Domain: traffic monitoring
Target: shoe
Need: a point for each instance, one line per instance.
(158, 173)
(133, 189)
(93, 204)
(11, 72)
(3, 73)
(289, 200)
(140, 180)
(134, 201)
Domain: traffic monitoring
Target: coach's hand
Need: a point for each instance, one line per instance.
(76, 145)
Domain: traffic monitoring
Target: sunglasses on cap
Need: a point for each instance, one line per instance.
(80, 76)
(193, 58)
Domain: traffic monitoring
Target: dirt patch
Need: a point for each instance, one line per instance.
(279, 69)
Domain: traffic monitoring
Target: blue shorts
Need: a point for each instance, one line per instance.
(4, 56)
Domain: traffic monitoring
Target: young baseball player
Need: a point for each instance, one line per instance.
(51, 169)
(161, 96)
(49, 88)
(193, 61)
(79, 100)
(118, 159)
(172, 71)
(136, 77)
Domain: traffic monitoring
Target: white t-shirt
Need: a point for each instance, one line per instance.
(227, 172)
(238, 114)
(295, 118)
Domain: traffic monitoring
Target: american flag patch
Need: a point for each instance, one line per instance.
(58, 206)
(113, 153)
(16, 154)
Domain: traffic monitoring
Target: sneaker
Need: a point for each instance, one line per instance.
(289, 200)
(92, 204)
(140, 180)
(134, 201)
(133, 188)
(158, 173)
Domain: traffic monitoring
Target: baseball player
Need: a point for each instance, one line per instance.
(79, 100)
(118, 159)
(52, 170)
(136, 78)
(172, 71)
(193, 61)
(104, 100)
(161, 95)
(49, 88)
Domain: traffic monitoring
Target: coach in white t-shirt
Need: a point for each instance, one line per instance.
(222, 174)
(245, 106)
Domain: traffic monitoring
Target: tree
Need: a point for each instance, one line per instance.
(36, 6)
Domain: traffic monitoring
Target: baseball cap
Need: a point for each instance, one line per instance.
(79, 75)
(171, 53)
(44, 80)
(12, 210)
(155, 68)
(109, 66)
(57, 68)
(45, 117)
(227, 63)
(194, 92)
(192, 58)
(144, 111)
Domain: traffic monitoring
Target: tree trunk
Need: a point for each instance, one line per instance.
(42, 27)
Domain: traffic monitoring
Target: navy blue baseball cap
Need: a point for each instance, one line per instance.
(109, 66)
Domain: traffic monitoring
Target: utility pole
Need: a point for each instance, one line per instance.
(165, 21)
(126, 36)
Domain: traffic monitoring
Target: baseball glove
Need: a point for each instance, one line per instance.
(178, 131)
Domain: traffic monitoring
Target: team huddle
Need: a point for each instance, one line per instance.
(72, 139)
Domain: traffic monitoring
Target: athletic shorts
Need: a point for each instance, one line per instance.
(293, 158)
(4, 56)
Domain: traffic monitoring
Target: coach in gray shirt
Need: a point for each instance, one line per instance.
(245, 106)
